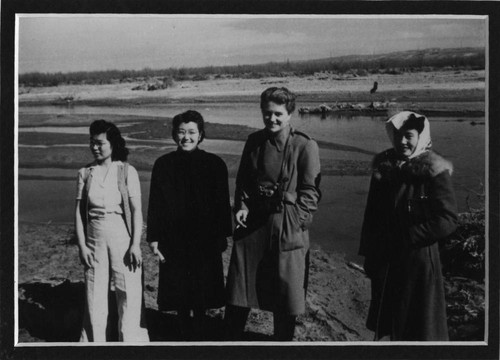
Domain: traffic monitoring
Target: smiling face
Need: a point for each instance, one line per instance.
(275, 116)
(187, 136)
(101, 147)
(406, 141)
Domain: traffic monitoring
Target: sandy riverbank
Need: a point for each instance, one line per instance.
(452, 87)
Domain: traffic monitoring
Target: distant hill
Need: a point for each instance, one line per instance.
(410, 55)
(392, 63)
(433, 57)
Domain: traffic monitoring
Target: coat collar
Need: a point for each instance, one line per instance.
(429, 164)
(279, 139)
(191, 153)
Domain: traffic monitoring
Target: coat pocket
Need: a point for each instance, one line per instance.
(293, 234)
(419, 209)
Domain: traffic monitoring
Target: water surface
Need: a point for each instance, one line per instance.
(337, 223)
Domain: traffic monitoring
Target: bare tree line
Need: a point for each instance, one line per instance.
(356, 65)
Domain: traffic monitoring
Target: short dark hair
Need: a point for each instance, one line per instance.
(187, 117)
(120, 151)
(414, 122)
(280, 96)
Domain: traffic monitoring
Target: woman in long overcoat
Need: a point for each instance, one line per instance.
(189, 220)
(277, 191)
(410, 209)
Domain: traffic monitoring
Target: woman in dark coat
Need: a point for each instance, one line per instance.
(189, 218)
(410, 209)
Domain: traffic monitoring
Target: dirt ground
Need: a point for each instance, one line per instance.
(51, 295)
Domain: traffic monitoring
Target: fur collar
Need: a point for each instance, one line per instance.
(386, 165)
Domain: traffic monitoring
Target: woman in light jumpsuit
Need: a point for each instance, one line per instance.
(108, 224)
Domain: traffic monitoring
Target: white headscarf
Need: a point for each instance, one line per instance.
(424, 138)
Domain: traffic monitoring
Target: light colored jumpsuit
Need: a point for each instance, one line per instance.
(109, 240)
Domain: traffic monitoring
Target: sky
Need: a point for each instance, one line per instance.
(67, 43)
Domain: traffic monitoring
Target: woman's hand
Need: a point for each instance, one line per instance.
(241, 218)
(154, 248)
(86, 256)
(134, 257)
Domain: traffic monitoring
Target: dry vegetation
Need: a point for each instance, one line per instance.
(394, 63)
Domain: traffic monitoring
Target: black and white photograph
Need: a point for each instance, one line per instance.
(271, 181)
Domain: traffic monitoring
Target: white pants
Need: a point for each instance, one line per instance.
(109, 241)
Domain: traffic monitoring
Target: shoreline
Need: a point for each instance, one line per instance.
(444, 90)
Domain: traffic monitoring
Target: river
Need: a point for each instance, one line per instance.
(338, 220)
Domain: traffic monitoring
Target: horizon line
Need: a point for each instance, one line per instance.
(252, 64)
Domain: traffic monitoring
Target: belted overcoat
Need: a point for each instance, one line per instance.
(269, 262)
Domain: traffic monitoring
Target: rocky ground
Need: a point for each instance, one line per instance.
(51, 294)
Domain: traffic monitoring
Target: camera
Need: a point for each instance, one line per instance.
(271, 197)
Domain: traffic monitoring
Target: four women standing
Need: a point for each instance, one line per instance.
(410, 208)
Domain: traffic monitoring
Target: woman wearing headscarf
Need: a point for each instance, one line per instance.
(410, 209)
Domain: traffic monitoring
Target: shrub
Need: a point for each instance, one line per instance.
(362, 72)
(463, 253)
(200, 77)
(463, 257)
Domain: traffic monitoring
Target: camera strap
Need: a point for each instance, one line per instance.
(281, 180)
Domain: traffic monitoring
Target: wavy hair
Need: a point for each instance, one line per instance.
(120, 151)
(187, 117)
(280, 96)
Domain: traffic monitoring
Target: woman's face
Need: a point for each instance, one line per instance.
(275, 116)
(188, 136)
(406, 141)
(101, 147)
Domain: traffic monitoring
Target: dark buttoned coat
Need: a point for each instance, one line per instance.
(410, 209)
(189, 215)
